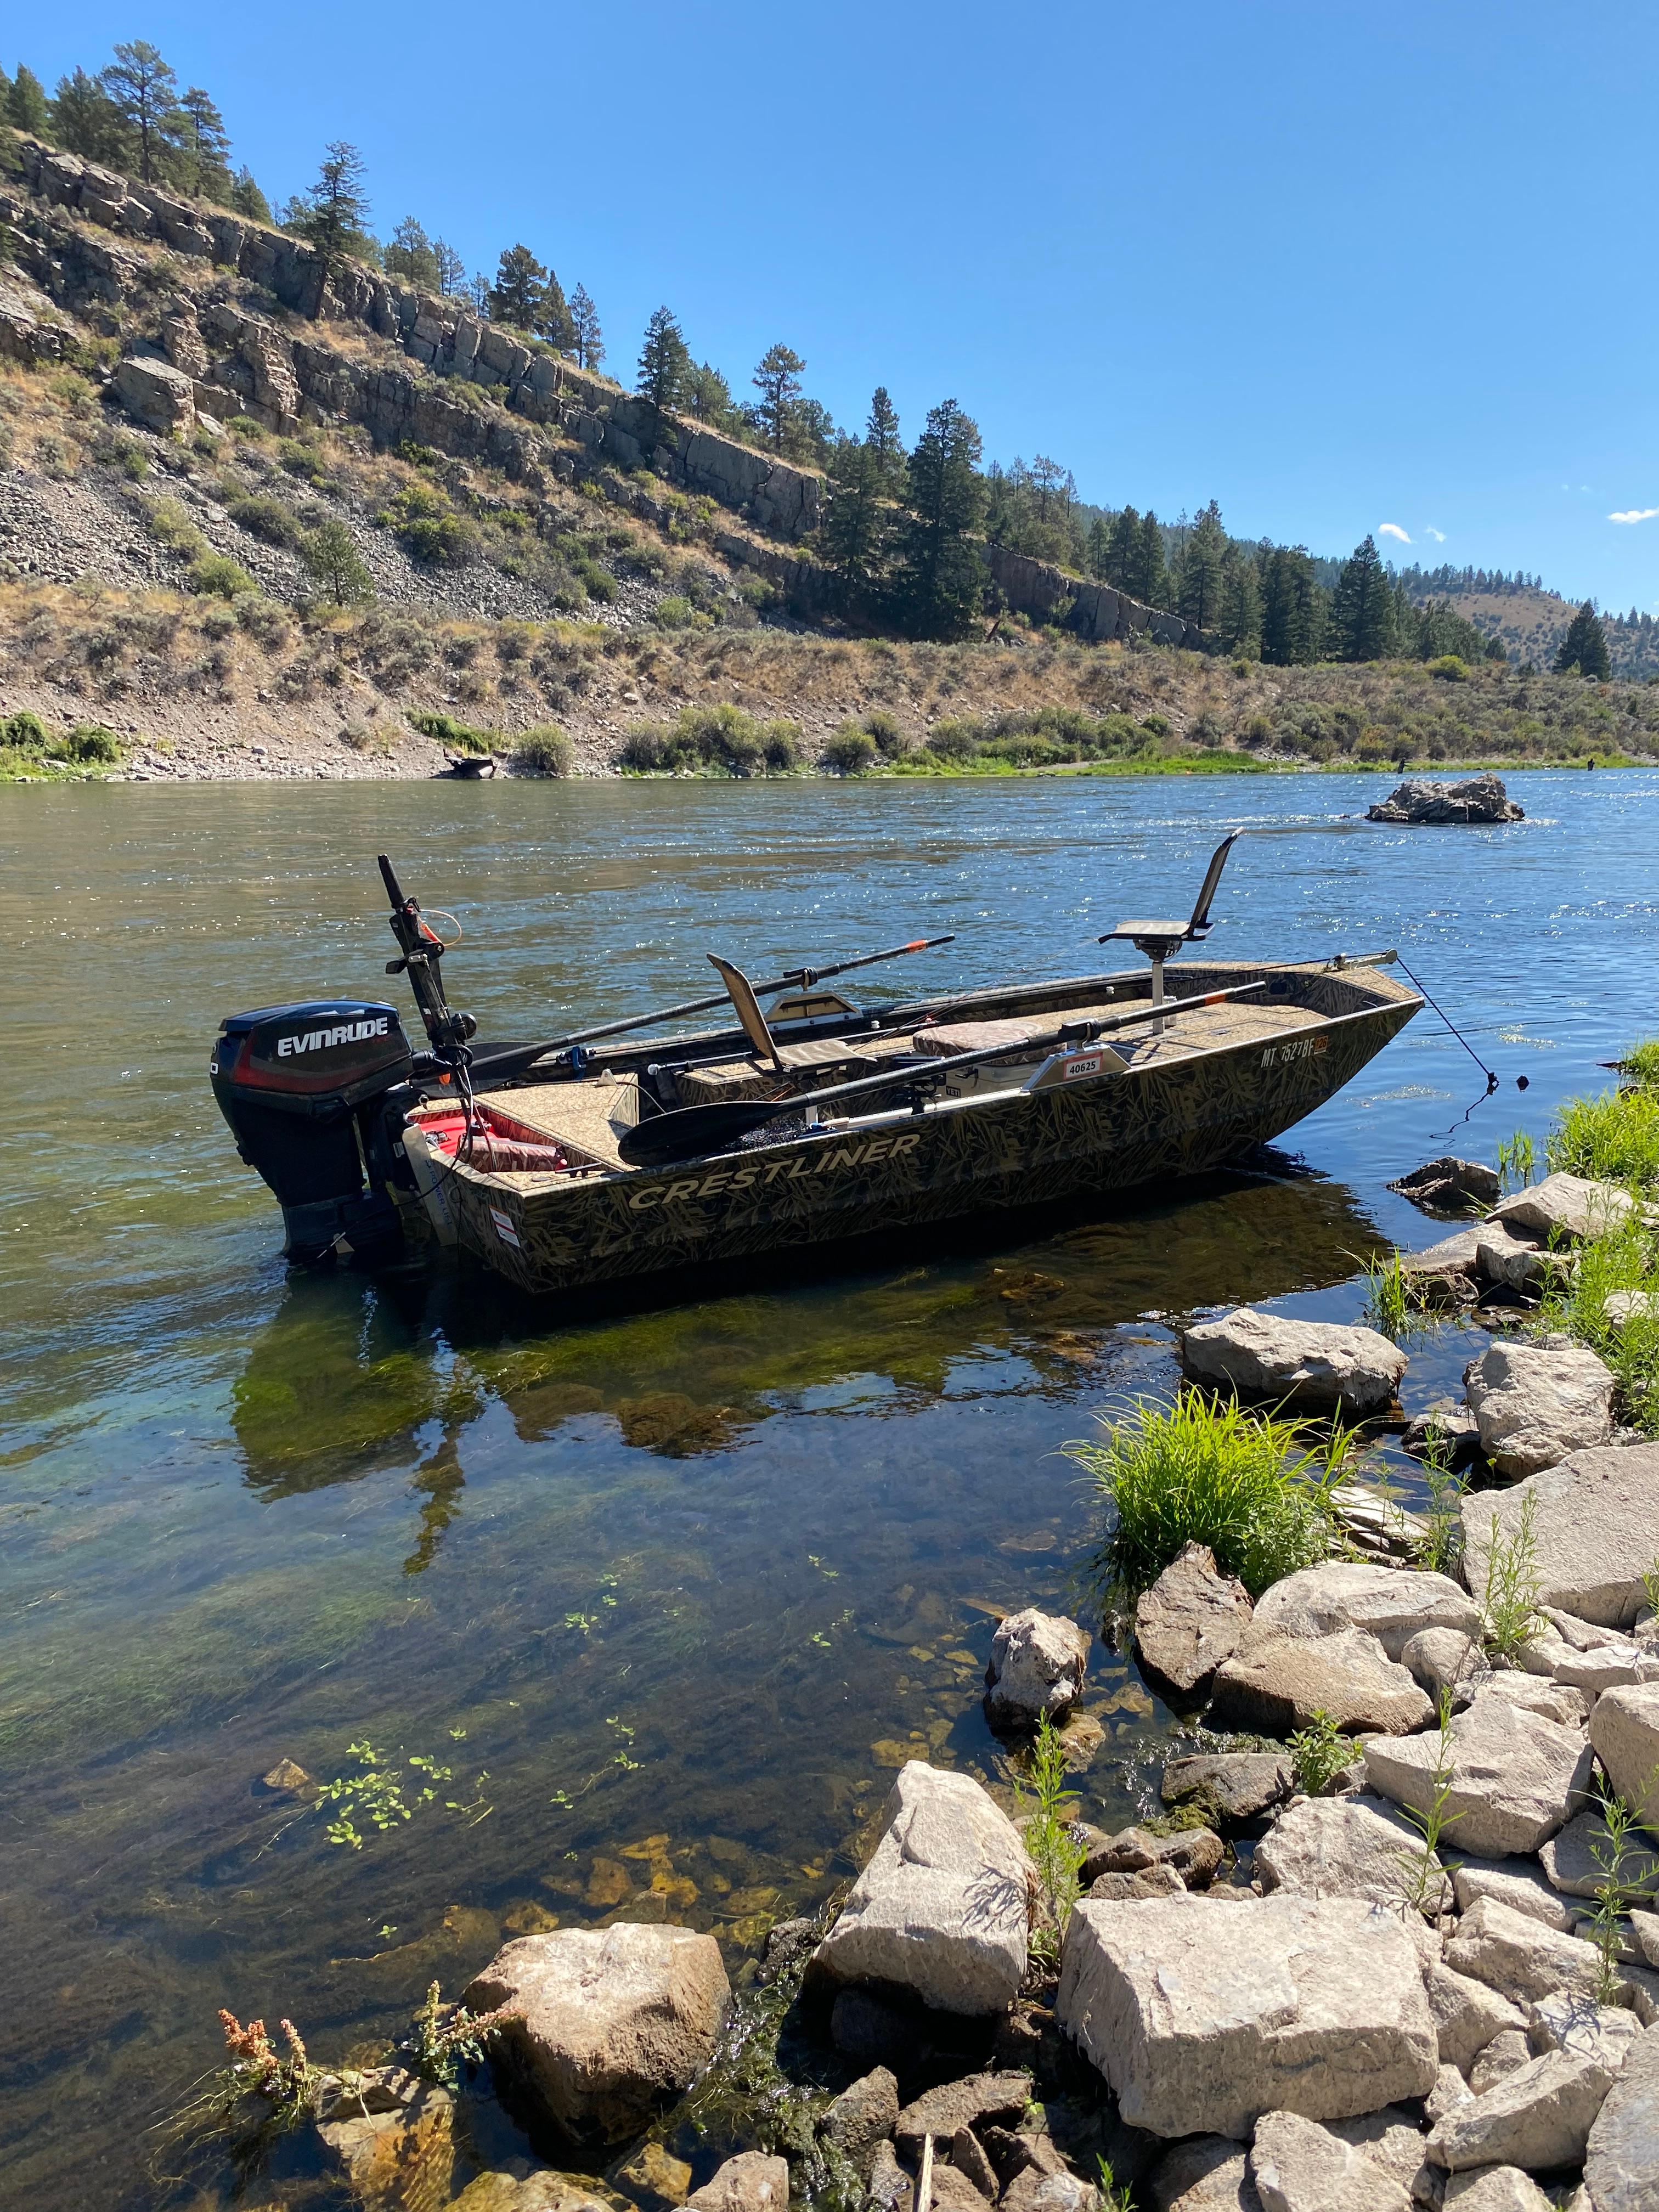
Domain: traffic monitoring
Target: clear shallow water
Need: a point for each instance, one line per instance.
(706, 1571)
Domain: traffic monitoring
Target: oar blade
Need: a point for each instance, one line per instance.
(690, 1131)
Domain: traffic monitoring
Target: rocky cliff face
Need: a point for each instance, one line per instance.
(1094, 611)
(239, 360)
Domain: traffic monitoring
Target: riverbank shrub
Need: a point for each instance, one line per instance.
(720, 740)
(849, 751)
(1206, 1472)
(545, 751)
(449, 731)
(1612, 1138)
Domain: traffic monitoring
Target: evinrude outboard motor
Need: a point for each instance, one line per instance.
(307, 1091)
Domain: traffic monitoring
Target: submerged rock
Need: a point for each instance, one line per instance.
(1536, 1407)
(1308, 1363)
(940, 1907)
(1191, 1618)
(1203, 2017)
(1450, 1186)
(1595, 1530)
(1038, 1663)
(1232, 1786)
(602, 2023)
(1438, 805)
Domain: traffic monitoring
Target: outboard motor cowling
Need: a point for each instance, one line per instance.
(304, 1091)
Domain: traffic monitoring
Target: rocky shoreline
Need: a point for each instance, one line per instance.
(1393, 1942)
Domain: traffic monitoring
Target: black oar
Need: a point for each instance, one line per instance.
(691, 1131)
(512, 1059)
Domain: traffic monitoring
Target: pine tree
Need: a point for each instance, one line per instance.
(247, 199)
(412, 255)
(452, 269)
(1362, 609)
(145, 92)
(1199, 578)
(940, 584)
(330, 556)
(1292, 606)
(1097, 552)
(777, 378)
(854, 534)
(1585, 646)
(1150, 579)
(881, 435)
(85, 121)
(664, 363)
(25, 104)
(589, 346)
(203, 148)
(553, 320)
(333, 215)
(516, 296)
(1239, 626)
(1123, 548)
(708, 397)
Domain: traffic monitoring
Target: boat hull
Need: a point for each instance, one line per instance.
(1146, 1124)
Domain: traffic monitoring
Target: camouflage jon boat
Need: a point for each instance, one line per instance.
(558, 1172)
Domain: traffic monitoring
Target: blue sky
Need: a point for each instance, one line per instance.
(1336, 266)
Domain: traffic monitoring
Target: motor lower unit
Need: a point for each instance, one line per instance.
(315, 1095)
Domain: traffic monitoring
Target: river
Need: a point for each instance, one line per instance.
(667, 1593)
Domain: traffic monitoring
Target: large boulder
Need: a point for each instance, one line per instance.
(1440, 805)
(156, 394)
(1535, 1407)
(1229, 1787)
(1537, 2118)
(603, 2022)
(940, 1908)
(1191, 1618)
(1565, 1207)
(1595, 1530)
(1343, 1847)
(1516, 1778)
(1625, 1730)
(1274, 1683)
(1391, 1603)
(1520, 1958)
(1037, 1663)
(1203, 2017)
(1621, 2160)
(1297, 2165)
(1310, 1363)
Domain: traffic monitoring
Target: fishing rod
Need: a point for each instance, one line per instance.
(514, 1058)
(689, 1131)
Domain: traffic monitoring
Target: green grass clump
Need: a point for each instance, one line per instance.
(449, 731)
(1612, 1138)
(1621, 1259)
(1640, 1064)
(1200, 1472)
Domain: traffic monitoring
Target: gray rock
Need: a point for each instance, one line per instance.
(1206, 2174)
(1520, 1958)
(1445, 1659)
(1644, 1926)
(1569, 1207)
(1621, 2161)
(1496, 2188)
(1622, 1307)
(1391, 1603)
(1193, 1853)
(1516, 1262)
(1450, 2091)
(1609, 1666)
(606, 2021)
(1452, 1263)
(1580, 1860)
(1275, 1683)
(890, 2186)
(1032, 2191)
(1201, 2019)
(1191, 1618)
(1341, 1847)
(1604, 2033)
(1535, 1408)
(1507, 2053)
(1515, 1777)
(753, 2181)
(1467, 2015)
(1315, 1364)
(864, 2114)
(962, 2103)
(1232, 1786)
(156, 394)
(1440, 806)
(1038, 1663)
(1538, 1692)
(1538, 2117)
(1625, 1730)
(1520, 1883)
(1450, 1185)
(968, 2159)
(1300, 2166)
(1146, 1881)
(940, 1908)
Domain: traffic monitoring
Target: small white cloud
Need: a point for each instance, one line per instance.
(1635, 514)
(1392, 530)
(1438, 536)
